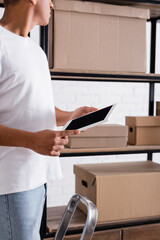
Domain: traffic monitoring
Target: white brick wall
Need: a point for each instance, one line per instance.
(132, 99)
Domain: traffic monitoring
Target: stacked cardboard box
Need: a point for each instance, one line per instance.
(143, 130)
(94, 36)
(120, 190)
(103, 136)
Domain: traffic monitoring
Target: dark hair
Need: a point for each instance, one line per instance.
(7, 2)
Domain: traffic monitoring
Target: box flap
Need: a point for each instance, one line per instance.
(151, 121)
(84, 174)
(101, 8)
(104, 130)
(108, 169)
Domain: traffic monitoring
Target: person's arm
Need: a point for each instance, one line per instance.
(62, 117)
(15, 138)
(46, 142)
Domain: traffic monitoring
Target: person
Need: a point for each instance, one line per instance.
(29, 142)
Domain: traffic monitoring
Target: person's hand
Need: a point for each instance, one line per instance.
(82, 111)
(48, 142)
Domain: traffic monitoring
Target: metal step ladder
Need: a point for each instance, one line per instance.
(91, 220)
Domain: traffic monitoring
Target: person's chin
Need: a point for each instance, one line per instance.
(45, 22)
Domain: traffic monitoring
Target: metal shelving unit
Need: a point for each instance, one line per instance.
(151, 79)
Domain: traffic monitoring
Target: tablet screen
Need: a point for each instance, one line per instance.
(89, 119)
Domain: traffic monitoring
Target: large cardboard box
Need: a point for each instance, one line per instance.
(98, 37)
(157, 108)
(143, 130)
(121, 191)
(103, 136)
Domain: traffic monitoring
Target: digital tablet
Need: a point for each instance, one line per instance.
(90, 120)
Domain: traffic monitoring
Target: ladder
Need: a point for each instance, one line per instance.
(91, 219)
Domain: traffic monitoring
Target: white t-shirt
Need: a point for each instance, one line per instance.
(26, 103)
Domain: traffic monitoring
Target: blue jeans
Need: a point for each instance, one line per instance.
(21, 213)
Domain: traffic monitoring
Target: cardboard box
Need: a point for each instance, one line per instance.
(121, 191)
(143, 130)
(92, 36)
(157, 108)
(103, 136)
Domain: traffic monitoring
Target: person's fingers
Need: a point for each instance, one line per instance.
(60, 141)
(63, 141)
(54, 153)
(57, 147)
(65, 137)
(90, 109)
(56, 150)
(85, 110)
(67, 133)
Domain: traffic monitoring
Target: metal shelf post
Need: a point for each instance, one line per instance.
(153, 45)
(151, 98)
(44, 41)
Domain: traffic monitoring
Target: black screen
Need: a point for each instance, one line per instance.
(89, 119)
